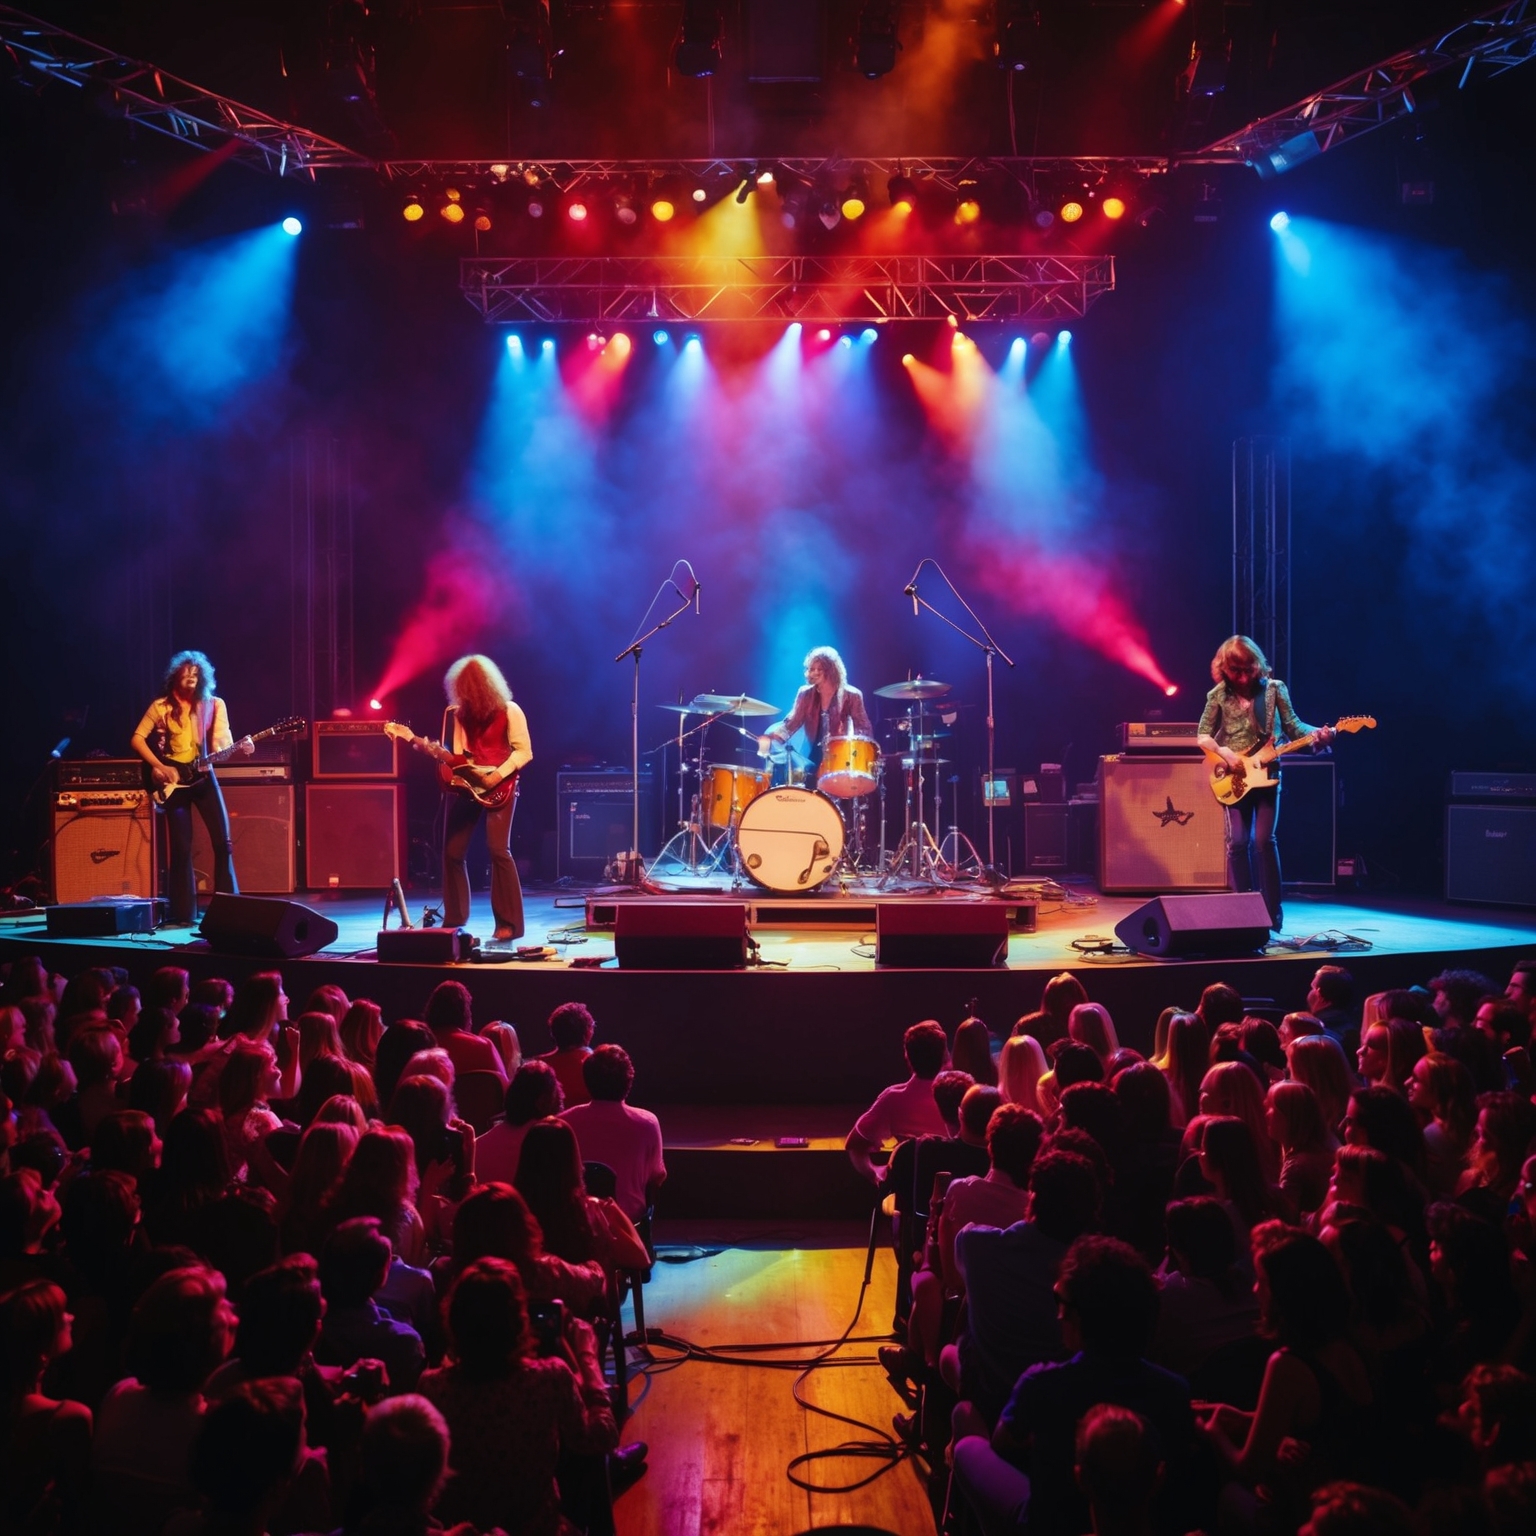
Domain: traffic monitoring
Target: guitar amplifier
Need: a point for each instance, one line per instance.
(596, 819)
(1160, 827)
(99, 773)
(261, 835)
(354, 749)
(103, 844)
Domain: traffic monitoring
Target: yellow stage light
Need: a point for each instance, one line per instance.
(453, 212)
(662, 210)
(1071, 212)
(853, 207)
(413, 211)
(1114, 208)
(968, 211)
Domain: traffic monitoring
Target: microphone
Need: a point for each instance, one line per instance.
(698, 586)
(911, 592)
(58, 751)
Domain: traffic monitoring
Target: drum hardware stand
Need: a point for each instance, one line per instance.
(635, 865)
(991, 648)
(689, 828)
(918, 844)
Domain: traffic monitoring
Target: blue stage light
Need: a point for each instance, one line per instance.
(1064, 339)
(291, 226)
(515, 344)
(845, 341)
(869, 335)
(548, 345)
(660, 338)
(1279, 222)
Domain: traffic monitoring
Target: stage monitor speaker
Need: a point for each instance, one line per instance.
(1160, 827)
(1490, 854)
(1045, 839)
(945, 935)
(424, 946)
(103, 844)
(680, 936)
(351, 836)
(1308, 820)
(266, 926)
(596, 820)
(1222, 923)
(260, 836)
(102, 918)
(354, 749)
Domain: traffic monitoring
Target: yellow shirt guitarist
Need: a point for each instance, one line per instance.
(186, 722)
(1245, 708)
(483, 723)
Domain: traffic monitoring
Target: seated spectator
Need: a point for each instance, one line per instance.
(611, 1130)
(381, 1181)
(1207, 1298)
(1230, 1088)
(905, 1109)
(1062, 994)
(973, 1051)
(96, 1058)
(1294, 1026)
(251, 1077)
(450, 1017)
(1522, 987)
(1118, 1469)
(509, 1412)
(576, 1227)
(323, 1154)
(328, 999)
(280, 1314)
(170, 987)
(1011, 1319)
(1353, 1509)
(397, 1045)
(319, 1035)
(1150, 1158)
(123, 1010)
(1229, 1161)
(1331, 1000)
(1260, 1042)
(495, 1223)
(1020, 1066)
(1108, 1309)
(1089, 1024)
(29, 1213)
(1071, 1064)
(193, 1174)
(1469, 1263)
(1220, 1004)
(570, 1027)
(1380, 1117)
(1294, 1120)
(197, 1032)
(1506, 1127)
(362, 1027)
(1456, 994)
(504, 1037)
(1388, 1052)
(435, 1062)
(249, 1457)
(532, 1094)
(127, 1141)
(1319, 1062)
(45, 1443)
(212, 992)
(1441, 1093)
(182, 1328)
(353, 1268)
(160, 1089)
(444, 1144)
(402, 1469)
(1188, 1060)
(155, 1033)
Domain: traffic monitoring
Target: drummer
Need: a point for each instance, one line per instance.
(827, 706)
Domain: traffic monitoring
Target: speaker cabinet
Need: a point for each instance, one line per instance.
(352, 836)
(354, 749)
(424, 946)
(1490, 854)
(1222, 923)
(1045, 839)
(946, 935)
(103, 845)
(1307, 830)
(265, 926)
(680, 936)
(596, 820)
(1160, 827)
(260, 836)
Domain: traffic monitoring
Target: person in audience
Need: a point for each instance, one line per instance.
(251, 1077)
(1071, 1064)
(1522, 987)
(362, 1027)
(532, 1094)
(1119, 1470)
(450, 1017)
(1320, 1063)
(328, 999)
(423, 1107)
(1090, 1024)
(322, 1158)
(1062, 994)
(249, 1461)
(571, 1027)
(397, 1045)
(1506, 1128)
(1186, 1062)
(402, 1469)
(1388, 1052)
(906, 1109)
(1230, 1088)
(1455, 995)
(973, 1051)
(1441, 1093)
(1380, 1117)
(319, 1035)
(576, 1226)
(1294, 1120)
(354, 1265)
(1295, 1026)
(494, 1222)
(610, 1130)
(1206, 1300)
(1220, 1004)
(511, 1412)
(1230, 1163)
(96, 1058)
(381, 1181)
(1331, 1001)
(1020, 1066)
(504, 1037)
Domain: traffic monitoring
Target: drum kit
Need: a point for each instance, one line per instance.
(763, 822)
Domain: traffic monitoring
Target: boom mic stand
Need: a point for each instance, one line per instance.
(634, 874)
(986, 644)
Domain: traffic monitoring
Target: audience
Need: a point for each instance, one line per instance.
(571, 1027)
(611, 1130)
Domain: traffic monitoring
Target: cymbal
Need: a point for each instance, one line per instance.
(731, 704)
(914, 688)
(924, 762)
(905, 727)
(685, 709)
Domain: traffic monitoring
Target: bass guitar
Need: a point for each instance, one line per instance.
(188, 774)
(1229, 785)
(456, 771)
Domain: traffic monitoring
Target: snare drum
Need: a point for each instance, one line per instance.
(848, 769)
(790, 840)
(728, 790)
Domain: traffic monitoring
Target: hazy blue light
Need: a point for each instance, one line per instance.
(548, 345)
(869, 336)
(1064, 339)
(845, 341)
(515, 343)
(660, 338)
(1279, 222)
(692, 343)
(291, 226)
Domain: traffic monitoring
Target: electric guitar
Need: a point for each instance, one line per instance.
(188, 774)
(1229, 785)
(456, 771)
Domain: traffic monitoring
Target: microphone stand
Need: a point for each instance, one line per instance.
(634, 875)
(986, 644)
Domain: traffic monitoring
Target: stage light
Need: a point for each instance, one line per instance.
(624, 209)
(593, 338)
(660, 338)
(1171, 689)
(855, 199)
(907, 359)
(698, 51)
(967, 211)
(692, 344)
(501, 171)
(869, 336)
(1043, 217)
(951, 321)
(765, 178)
(1018, 34)
(413, 212)
(845, 341)
(1114, 207)
(830, 214)
(823, 335)
(662, 210)
(535, 207)
(621, 344)
(291, 226)
(902, 191)
(375, 704)
(453, 212)
(576, 211)
(515, 344)
(547, 345)
(875, 44)
(1064, 338)
(482, 219)
(1280, 221)
(1017, 348)
(1071, 212)
(700, 194)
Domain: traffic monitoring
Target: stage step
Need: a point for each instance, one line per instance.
(726, 1161)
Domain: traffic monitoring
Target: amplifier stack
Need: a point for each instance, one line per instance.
(103, 831)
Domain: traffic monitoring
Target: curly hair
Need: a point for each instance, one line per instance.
(830, 659)
(207, 684)
(474, 685)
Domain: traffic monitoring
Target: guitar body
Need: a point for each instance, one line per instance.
(1258, 770)
(455, 771)
(188, 774)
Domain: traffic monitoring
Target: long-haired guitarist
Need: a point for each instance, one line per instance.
(188, 721)
(484, 724)
(1246, 708)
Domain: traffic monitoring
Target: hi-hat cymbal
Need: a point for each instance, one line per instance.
(914, 688)
(731, 704)
(685, 709)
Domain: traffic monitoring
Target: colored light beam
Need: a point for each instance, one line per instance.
(594, 389)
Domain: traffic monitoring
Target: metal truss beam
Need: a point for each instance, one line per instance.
(160, 101)
(1498, 40)
(834, 290)
(946, 173)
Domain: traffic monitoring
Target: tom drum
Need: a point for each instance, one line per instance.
(848, 769)
(728, 790)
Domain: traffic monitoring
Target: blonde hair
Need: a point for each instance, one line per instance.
(475, 686)
(1236, 645)
(1091, 1025)
(1019, 1070)
(829, 657)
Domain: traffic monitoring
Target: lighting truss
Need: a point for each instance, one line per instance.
(832, 290)
(160, 101)
(1499, 39)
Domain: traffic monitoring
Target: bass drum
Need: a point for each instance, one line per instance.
(790, 840)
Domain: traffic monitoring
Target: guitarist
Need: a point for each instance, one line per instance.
(185, 722)
(482, 722)
(1242, 712)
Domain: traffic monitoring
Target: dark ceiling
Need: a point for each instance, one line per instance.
(1101, 77)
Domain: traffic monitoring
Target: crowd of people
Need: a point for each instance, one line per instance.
(258, 1275)
(1278, 1276)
